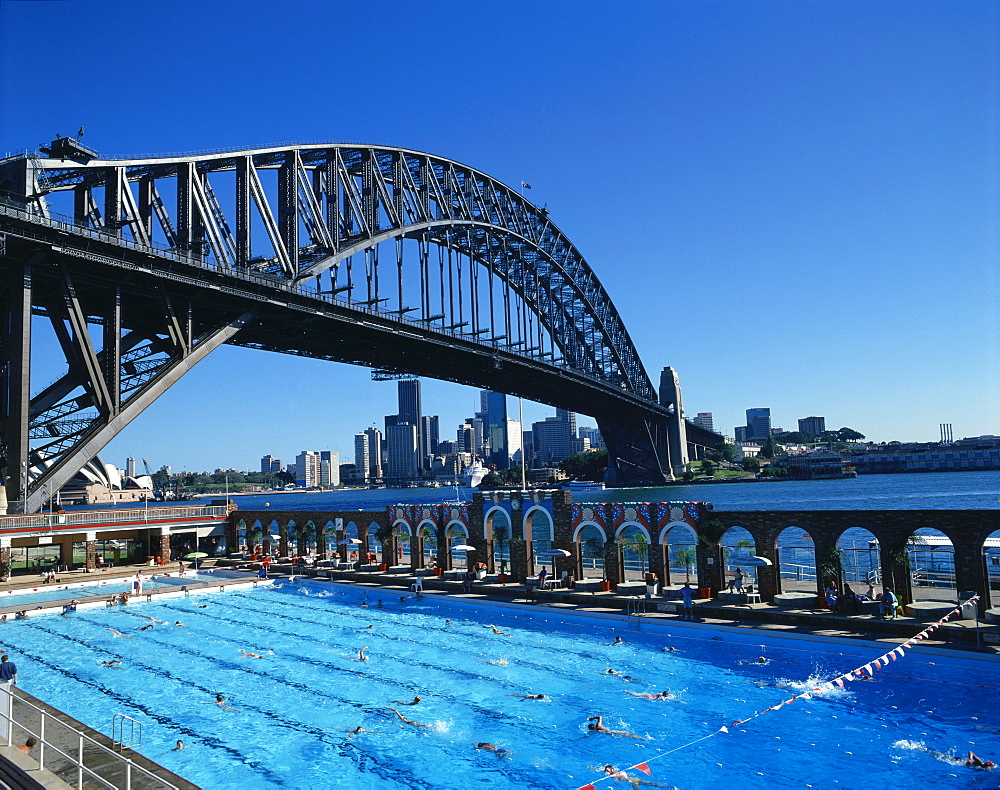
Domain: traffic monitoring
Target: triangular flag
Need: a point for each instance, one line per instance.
(644, 768)
(587, 787)
(877, 663)
(724, 728)
(869, 670)
(806, 696)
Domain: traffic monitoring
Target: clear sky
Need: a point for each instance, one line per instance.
(793, 204)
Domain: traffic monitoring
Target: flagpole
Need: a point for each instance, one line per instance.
(524, 468)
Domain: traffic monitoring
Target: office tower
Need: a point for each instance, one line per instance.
(307, 469)
(496, 418)
(514, 441)
(269, 464)
(410, 412)
(589, 432)
(375, 450)
(570, 418)
(528, 447)
(466, 437)
(551, 441)
(577, 446)
(329, 471)
(401, 452)
(740, 433)
(429, 437)
(758, 424)
(130, 467)
(814, 426)
(704, 420)
(362, 458)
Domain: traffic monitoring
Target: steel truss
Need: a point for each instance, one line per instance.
(320, 250)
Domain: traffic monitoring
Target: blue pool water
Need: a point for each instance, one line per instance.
(30, 597)
(292, 709)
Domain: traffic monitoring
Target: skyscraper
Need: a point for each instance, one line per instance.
(401, 452)
(362, 457)
(269, 464)
(329, 468)
(551, 441)
(374, 453)
(570, 418)
(758, 424)
(307, 469)
(496, 418)
(704, 420)
(429, 436)
(812, 425)
(410, 412)
(130, 467)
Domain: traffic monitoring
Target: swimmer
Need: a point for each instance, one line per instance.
(414, 701)
(648, 695)
(617, 674)
(447, 622)
(757, 661)
(179, 624)
(972, 761)
(498, 631)
(203, 606)
(613, 773)
(359, 729)
(180, 745)
(155, 620)
(598, 726)
(116, 632)
(361, 654)
(28, 745)
(219, 700)
(406, 720)
(247, 654)
(529, 696)
(145, 627)
(671, 649)
(112, 664)
(618, 641)
(492, 747)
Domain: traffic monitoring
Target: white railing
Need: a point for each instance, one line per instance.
(69, 753)
(48, 521)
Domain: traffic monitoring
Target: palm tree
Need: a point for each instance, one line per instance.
(384, 536)
(639, 546)
(687, 557)
(501, 536)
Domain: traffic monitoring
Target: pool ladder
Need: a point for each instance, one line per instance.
(635, 609)
(126, 732)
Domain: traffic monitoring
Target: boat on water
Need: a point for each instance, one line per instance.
(582, 485)
(474, 473)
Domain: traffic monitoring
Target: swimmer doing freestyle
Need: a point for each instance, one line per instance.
(598, 726)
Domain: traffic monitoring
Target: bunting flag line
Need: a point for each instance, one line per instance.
(829, 685)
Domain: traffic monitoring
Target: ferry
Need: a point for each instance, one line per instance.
(474, 473)
(582, 485)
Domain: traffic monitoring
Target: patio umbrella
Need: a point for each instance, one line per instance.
(349, 542)
(553, 553)
(463, 547)
(195, 555)
(755, 561)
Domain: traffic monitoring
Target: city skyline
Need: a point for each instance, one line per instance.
(806, 217)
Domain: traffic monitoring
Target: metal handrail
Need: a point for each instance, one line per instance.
(42, 521)
(84, 741)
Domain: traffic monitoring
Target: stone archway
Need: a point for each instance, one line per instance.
(796, 553)
(634, 545)
(497, 533)
(738, 546)
(681, 544)
(590, 539)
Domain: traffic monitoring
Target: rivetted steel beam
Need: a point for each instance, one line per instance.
(62, 472)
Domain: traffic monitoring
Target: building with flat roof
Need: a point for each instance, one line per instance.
(814, 426)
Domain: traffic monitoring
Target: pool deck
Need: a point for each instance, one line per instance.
(956, 634)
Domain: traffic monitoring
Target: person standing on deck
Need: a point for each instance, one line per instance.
(688, 595)
(8, 671)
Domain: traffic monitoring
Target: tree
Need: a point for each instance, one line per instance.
(708, 468)
(501, 536)
(771, 448)
(639, 546)
(750, 465)
(687, 557)
(849, 435)
(586, 466)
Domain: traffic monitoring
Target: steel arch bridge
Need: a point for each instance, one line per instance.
(373, 255)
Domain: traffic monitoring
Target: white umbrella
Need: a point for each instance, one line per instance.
(555, 553)
(349, 540)
(755, 561)
(463, 547)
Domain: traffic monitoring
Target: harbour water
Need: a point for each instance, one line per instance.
(929, 491)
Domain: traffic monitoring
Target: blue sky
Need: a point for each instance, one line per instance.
(793, 204)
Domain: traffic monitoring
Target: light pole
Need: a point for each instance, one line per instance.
(24, 487)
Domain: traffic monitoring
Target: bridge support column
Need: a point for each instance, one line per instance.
(15, 376)
(637, 451)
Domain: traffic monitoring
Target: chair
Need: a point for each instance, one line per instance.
(752, 595)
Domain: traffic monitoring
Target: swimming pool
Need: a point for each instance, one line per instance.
(29, 597)
(292, 710)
